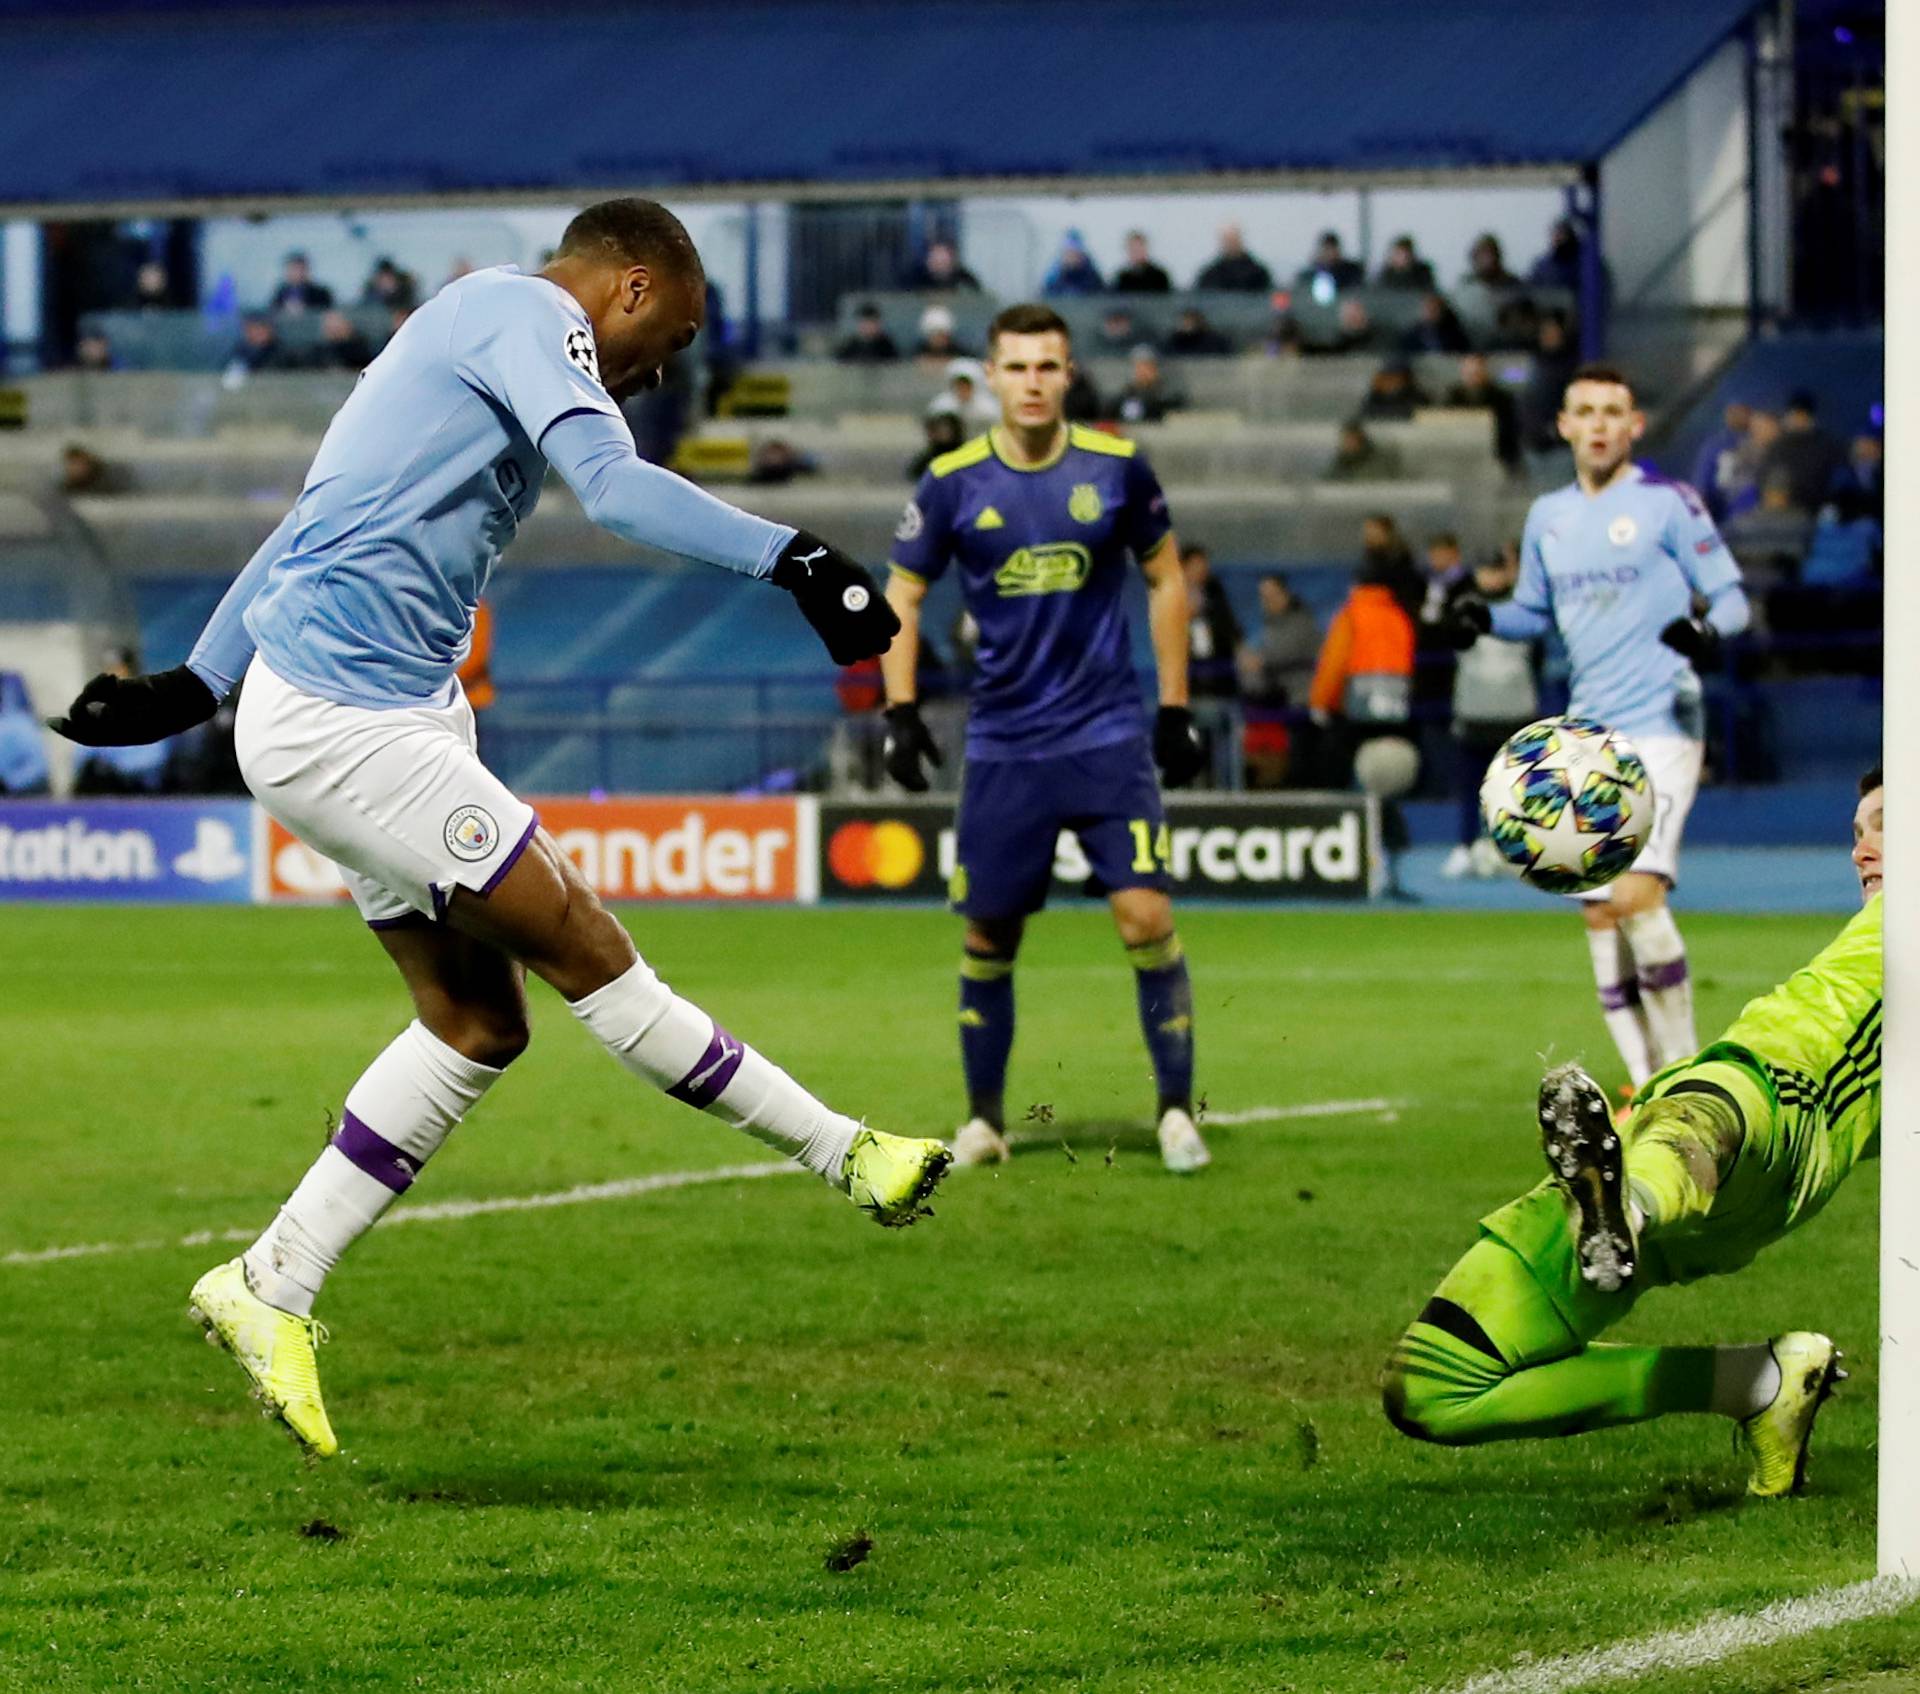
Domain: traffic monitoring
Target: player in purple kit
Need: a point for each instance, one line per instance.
(1042, 518)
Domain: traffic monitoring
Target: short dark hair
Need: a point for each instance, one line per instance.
(1875, 778)
(631, 231)
(1028, 318)
(1443, 538)
(1597, 371)
(1803, 400)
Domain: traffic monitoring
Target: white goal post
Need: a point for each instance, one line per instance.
(1900, 1074)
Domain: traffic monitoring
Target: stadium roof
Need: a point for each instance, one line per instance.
(192, 106)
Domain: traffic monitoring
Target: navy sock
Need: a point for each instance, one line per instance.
(986, 1032)
(1166, 1016)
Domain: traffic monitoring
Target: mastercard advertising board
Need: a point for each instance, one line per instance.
(653, 848)
(1265, 847)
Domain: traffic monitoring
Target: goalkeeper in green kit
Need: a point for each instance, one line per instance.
(1722, 1155)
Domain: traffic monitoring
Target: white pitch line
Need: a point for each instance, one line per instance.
(439, 1211)
(1704, 1643)
(1312, 1109)
(592, 1193)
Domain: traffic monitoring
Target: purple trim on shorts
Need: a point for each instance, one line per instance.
(373, 1153)
(708, 1079)
(1620, 996)
(512, 858)
(440, 897)
(401, 922)
(1669, 975)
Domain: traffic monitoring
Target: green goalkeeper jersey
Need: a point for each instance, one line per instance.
(1802, 1067)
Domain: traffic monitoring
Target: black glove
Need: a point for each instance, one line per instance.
(907, 744)
(1177, 748)
(1695, 640)
(130, 711)
(836, 596)
(1466, 623)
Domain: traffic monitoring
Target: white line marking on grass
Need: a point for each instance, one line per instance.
(439, 1211)
(625, 1188)
(1312, 1109)
(1717, 1638)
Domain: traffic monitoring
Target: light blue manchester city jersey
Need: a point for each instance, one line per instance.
(1610, 571)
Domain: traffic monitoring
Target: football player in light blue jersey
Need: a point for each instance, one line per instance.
(352, 731)
(1630, 570)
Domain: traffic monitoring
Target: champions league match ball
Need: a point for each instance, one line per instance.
(1568, 804)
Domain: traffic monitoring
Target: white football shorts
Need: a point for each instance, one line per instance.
(1673, 763)
(396, 797)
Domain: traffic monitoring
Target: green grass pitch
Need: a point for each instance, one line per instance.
(1094, 1427)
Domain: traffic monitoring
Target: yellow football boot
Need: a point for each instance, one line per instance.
(890, 1177)
(273, 1347)
(1777, 1435)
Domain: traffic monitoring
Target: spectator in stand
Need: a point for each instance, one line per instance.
(936, 344)
(939, 271)
(1716, 466)
(1363, 683)
(966, 397)
(298, 292)
(1742, 488)
(151, 290)
(1770, 539)
(1554, 359)
(342, 346)
(1386, 557)
(23, 747)
(1192, 337)
(1213, 631)
(388, 285)
(1073, 271)
(1444, 582)
(1329, 271)
(944, 433)
(1559, 266)
(1438, 329)
(1807, 456)
(1233, 270)
(1404, 269)
(1140, 275)
(1148, 396)
(1862, 493)
(1119, 331)
(258, 348)
(1276, 672)
(461, 266)
(1446, 577)
(775, 462)
(1393, 396)
(870, 344)
(1477, 390)
(1285, 338)
(1082, 403)
(1354, 330)
(1276, 666)
(85, 472)
(1359, 458)
(1496, 690)
(1487, 265)
(94, 352)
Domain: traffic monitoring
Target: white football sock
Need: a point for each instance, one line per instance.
(1666, 988)
(1620, 1002)
(397, 1115)
(675, 1046)
(1745, 1379)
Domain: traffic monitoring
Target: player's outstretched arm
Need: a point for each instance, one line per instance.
(909, 746)
(131, 711)
(652, 507)
(1176, 743)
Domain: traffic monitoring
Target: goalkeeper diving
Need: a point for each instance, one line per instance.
(1722, 1155)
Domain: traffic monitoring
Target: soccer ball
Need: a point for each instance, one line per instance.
(1568, 803)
